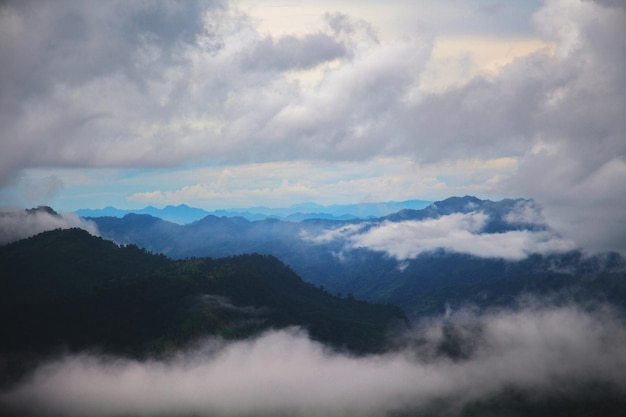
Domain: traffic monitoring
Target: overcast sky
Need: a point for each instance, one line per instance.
(257, 102)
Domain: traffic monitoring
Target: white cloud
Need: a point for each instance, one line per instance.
(537, 350)
(334, 234)
(285, 183)
(16, 224)
(459, 232)
(525, 212)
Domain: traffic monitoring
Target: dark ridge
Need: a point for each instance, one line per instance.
(67, 289)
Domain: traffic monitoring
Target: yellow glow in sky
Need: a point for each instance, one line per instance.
(455, 59)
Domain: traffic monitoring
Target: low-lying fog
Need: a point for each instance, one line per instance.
(462, 357)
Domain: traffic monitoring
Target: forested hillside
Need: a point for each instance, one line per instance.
(66, 289)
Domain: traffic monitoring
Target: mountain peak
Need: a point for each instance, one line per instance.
(42, 209)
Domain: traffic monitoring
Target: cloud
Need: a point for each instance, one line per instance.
(16, 224)
(577, 172)
(136, 85)
(558, 111)
(525, 212)
(458, 232)
(334, 234)
(278, 184)
(87, 84)
(37, 191)
(290, 52)
(538, 350)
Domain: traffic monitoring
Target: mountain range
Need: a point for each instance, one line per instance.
(183, 214)
(67, 289)
(466, 307)
(376, 259)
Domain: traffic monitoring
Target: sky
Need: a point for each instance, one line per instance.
(220, 104)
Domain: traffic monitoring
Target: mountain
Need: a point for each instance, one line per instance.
(177, 214)
(342, 211)
(499, 213)
(66, 289)
(79, 311)
(184, 214)
(336, 255)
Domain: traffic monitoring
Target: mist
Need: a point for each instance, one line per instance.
(16, 224)
(445, 362)
(458, 233)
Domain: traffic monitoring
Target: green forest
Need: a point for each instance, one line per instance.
(68, 290)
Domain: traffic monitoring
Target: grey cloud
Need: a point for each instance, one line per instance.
(491, 9)
(341, 24)
(73, 42)
(121, 85)
(163, 84)
(136, 78)
(291, 52)
(613, 3)
(578, 168)
(527, 213)
(16, 224)
(573, 98)
(353, 112)
(359, 110)
(485, 118)
(587, 209)
(74, 70)
(39, 191)
(560, 113)
(538, 350)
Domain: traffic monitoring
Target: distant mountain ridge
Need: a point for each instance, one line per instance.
(67, 291)
(330, 253)
(184, 214)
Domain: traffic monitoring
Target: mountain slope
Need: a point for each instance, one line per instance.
(329, 253)
(66, 288)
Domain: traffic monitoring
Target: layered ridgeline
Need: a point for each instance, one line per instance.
(454, 252)
(183, 214)
(68, 289)
(92, 328)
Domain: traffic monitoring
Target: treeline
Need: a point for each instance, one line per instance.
(66, 289)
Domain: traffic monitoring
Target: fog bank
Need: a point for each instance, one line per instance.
(452, 360)
(16, 224)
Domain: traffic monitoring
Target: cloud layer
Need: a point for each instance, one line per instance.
(16, 224)
(458, 232)
(537, 350)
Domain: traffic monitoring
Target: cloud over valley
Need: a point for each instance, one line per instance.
(536, 350)
(458, 233)
(223, 104)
